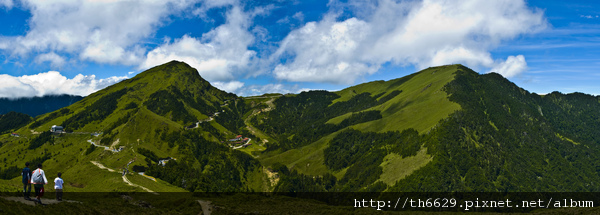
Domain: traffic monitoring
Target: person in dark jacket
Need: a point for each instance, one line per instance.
(26, 175)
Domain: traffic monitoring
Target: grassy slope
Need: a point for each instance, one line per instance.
(395, 167)
(420, 106)
(308, 159)
(139, 131)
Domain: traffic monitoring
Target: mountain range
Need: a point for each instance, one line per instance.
(444, 128)
(36, 106)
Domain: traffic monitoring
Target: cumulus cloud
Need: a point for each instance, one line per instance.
(54, 59)
(325, 52)
(52, 83)
(231, 86)
(511, 67)
(255, 90)
(427, 33)
(98, 31)
(220, 55)
(8, 4)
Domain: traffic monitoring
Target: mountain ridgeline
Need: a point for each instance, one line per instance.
(444, 128)
(36, 106)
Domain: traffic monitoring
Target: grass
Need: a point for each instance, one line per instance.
(395, 167)
(566, 139)
(251, 149)
(421, 105)
(308, 159)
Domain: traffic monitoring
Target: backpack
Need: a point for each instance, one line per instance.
(38, 179)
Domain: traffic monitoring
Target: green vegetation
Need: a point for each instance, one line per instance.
(38, 121)
(13, 120)
(15, 171)
(521, 153)
(205, 166)
(40, 140)
(90, 149)
(442, 129)
(396, 167)
(148, 154)
(99, 110)
(300, 120)
(164, 102)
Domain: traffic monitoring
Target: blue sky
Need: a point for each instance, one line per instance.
(256, 47)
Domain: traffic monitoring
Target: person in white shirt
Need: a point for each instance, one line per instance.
(38, 179)
(58, 186)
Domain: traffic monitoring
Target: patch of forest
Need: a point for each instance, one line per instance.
(99, 110)
(13, 120)
(300, 120)
(206, 166)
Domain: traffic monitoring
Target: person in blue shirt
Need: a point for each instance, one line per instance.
(26, 175)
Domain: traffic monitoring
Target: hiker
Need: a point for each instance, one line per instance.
(38, 179)
(26, 175)
(58, 186)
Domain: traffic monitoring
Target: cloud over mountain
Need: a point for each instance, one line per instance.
(52, 83)
(349, 41)
(427, 33)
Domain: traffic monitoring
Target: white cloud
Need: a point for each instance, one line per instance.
(299, 16)
(231, 86)
(103, 31)
(54, 59)
(511, 67)
(427, 33)
(52, 83)
(326, 51)
(220, 55)
(8, 4)
(255, 90)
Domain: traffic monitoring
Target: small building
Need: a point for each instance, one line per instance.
(239, 137)
(164, 162)
(56, 129)
(14, 135)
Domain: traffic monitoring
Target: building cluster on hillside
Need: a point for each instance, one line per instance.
(239, 141)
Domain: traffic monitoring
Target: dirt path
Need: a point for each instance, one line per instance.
(114, 144)
(135, 185)
(206, 207)
(102, 166)
(33, 203)
(124, 177)
(105, 147)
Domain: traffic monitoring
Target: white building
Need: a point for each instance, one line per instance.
(56, 129)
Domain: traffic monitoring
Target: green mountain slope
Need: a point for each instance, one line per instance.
(441, 129)
(137, 123)
(448, 129)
